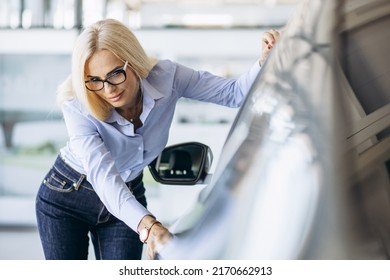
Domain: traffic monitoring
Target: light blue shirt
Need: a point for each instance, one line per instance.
(111, 153)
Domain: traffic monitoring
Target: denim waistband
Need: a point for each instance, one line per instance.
(81, 179)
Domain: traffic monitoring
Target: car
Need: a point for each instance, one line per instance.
(304, 172)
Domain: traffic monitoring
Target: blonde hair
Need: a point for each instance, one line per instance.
(111, 35)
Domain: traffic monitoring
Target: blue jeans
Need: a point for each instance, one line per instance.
(68, 210)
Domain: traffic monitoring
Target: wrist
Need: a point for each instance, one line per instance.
(145, 226)
(145, 222)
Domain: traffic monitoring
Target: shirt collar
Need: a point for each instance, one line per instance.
(116, 117)
(147, 88)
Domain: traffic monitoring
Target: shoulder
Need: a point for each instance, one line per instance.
(163, 68)
(170, 72)
(162, 76)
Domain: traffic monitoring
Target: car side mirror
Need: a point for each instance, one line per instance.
(182, 164)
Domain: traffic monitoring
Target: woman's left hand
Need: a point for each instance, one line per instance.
(268, 42)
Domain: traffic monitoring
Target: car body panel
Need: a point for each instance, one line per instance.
(290, 184)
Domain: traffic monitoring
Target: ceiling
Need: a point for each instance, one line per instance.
(213, 13)
(138, 3)
(213, 2)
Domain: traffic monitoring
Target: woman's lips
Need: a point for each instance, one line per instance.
(115, 97)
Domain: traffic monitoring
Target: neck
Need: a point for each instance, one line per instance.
(133, 112)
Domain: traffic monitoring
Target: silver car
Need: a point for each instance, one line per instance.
(304, 172)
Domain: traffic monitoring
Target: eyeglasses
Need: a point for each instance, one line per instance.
(114, 78)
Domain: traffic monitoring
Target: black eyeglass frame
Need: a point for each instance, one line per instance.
(106, 80)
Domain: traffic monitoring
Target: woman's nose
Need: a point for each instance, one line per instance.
(108, 88)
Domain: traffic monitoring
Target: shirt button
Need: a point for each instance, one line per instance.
(139, 148)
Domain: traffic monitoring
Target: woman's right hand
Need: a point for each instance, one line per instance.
(156, 237)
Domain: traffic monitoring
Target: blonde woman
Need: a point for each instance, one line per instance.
(118, 105)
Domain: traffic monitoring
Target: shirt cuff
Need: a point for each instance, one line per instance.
(132, 213)
(255, 69)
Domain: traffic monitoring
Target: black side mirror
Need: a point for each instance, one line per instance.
(182, 164)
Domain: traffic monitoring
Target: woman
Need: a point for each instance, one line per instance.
(118, 105)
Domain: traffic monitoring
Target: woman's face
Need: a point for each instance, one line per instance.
(103, 64)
